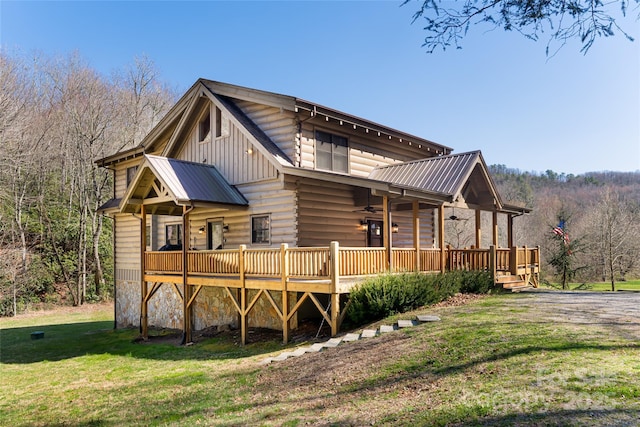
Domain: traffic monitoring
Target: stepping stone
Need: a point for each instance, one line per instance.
(283, 356)
(300, 351)
(267, 361)
(333, 342)
(387, 328)
(369, 333)
(351, 337)
(428, 318)
(315, 348)
(406, 323)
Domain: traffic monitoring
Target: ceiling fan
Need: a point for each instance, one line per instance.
(369, 209)
(454, 217)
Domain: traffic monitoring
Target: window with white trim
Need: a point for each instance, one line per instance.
(332, 152)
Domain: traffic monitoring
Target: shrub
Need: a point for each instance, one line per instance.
(388, 294)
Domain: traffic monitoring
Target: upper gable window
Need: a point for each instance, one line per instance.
(204, 128)
(131, 173)
(222, 124)
(332, 152)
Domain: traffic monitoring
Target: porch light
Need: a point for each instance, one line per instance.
(364, 225)
(201, 230)
(395, 228)
(249, 151)
(225, 227)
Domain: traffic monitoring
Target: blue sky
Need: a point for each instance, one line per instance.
(571, 113)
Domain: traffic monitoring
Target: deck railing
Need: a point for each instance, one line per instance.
(316, 263)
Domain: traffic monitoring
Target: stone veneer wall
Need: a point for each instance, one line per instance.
(212, 307)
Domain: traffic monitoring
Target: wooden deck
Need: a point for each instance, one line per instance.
(332, 270)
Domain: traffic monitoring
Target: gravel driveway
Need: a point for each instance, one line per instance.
(618, 312)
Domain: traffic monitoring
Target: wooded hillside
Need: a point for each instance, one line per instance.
(57, 116)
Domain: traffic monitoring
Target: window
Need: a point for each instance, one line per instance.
(222, 124)
(332, 152)
(204, 128)
(173, 235)
(261, 229)
(131, 173)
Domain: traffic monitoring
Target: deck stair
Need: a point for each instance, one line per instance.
(352, 337)
(513, 282)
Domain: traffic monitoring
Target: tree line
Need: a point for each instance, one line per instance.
(57, 116)
(598, 214)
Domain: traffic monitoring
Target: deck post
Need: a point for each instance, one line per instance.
(493, 262)
(243, 295)
(335, 313)
(144, 328)
(416, 232)
(386, 228)
(441, 237)
(478, 228)
(513, 260)
(334, 272)
(284, 274)
(495, 228)
(509, 230)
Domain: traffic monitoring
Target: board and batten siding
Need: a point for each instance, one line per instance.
(233, 155)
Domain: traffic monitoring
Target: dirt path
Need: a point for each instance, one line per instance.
(617, 312)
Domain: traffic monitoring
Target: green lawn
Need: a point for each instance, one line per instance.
(490, 362)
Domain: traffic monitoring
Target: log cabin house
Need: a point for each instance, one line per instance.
(250, 208)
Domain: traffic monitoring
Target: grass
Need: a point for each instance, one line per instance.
(629, 285)
(491, 362)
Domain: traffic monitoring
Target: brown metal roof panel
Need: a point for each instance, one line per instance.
(444, 174)
(190, 181)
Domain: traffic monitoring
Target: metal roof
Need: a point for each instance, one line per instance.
(193, 182)
(444, 174)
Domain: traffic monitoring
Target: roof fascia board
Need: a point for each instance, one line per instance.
(376, 127)
(190, 108)
(247, 94)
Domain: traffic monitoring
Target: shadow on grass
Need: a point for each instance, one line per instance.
(65, 341)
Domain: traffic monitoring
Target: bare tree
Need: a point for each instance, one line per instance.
(614, 235)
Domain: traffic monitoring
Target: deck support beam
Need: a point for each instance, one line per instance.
(186, 293)
(144, 325)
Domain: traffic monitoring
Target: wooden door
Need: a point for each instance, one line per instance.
(375, 234)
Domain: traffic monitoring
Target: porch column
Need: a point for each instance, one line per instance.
(416, 232)
(144, 329)
(510, 230)
(495, 229)
(478, 228)
(386, 227)
(186, 293)
(441, 237)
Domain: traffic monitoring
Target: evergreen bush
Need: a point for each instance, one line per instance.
(388, 294)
